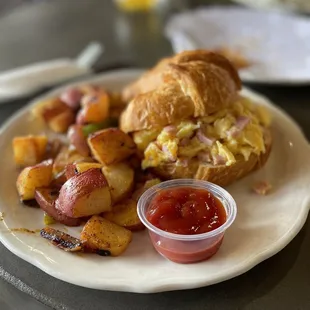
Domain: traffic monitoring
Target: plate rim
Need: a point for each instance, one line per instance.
(159, 286)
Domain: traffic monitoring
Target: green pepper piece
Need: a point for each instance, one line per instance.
(91, 128)
(48, 220)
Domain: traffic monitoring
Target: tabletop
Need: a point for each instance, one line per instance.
(51, 29)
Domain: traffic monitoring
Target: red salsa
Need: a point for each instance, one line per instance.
(186, 211)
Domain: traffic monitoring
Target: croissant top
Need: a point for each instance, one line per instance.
(190, 84)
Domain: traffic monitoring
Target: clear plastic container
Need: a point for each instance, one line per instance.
(187, 248)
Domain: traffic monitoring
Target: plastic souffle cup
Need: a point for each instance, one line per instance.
(186, 249)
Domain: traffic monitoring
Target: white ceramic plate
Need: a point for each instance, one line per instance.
(264, 225)
(277, 44)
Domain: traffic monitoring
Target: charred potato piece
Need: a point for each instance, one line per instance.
(62, 240)
(29, 150)
(125, 214)
(84, 194)
(101, 234)
(34, 177)
(120, 177)
(111, 145)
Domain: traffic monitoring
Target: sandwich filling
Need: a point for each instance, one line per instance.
(216, 139)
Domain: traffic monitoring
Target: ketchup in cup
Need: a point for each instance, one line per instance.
(187, 218)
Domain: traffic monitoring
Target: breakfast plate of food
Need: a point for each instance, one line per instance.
(173, 178)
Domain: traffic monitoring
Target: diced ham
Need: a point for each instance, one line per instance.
(204, 139)
(262, 188)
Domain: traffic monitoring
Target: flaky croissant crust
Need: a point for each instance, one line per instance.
(191, 84)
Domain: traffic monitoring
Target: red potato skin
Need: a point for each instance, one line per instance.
(76, 187)
(70, 171)
(72, 98)
(77, 139)
(46, 201)
(80, 118)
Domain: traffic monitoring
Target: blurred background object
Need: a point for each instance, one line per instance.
(267, 46)
(282, 5)
(147, 5)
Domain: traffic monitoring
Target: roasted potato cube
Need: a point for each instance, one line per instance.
(81, 167)
(61, 122)
(55, 113)
(120, 177)
(95, 108)
(101, 234)
(34, 177)
(65, 157)
(111, 145)
(29, 150)
(49, 108)
(84, 194)
(125, 214)
(76, 168)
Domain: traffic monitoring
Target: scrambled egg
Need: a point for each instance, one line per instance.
(225, 139)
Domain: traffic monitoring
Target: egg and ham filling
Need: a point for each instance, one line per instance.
(217, 138)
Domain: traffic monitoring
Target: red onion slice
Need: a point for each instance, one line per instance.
(183, 162)
(170, 129)
(184, 142)
(204, 139)
(242, 121)
(204, 156)
(219, 160)
(167, 152)
(233, 132)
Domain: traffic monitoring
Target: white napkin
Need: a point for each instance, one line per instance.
(29, 79)
(276, 44)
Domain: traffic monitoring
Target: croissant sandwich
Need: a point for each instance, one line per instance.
(190, 121)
